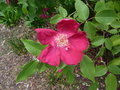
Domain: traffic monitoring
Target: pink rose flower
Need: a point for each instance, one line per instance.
(44, 16)
(46, 9)
(66, 44)
(8, 1)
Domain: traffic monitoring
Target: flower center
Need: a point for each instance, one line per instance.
(61, 40)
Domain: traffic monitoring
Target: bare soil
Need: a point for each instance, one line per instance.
(10, 64)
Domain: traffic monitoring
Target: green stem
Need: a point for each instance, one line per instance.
(72, 14)
(89, 5)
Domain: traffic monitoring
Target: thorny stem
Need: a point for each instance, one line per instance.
(88, 20)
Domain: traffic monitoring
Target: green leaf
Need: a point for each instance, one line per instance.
(29, 69)
(111, 82)
(99, 40)
(70, 77)
(3, 5)
(115, 61)
(33, 47)
(108, 43)
(106, 17)
(82, 9)
(68, 71)
(41, 67)
(100, 70)
(99, 6)
(90, 29)
(79, 20)
(115, 24)
(32, 3)
(114, 69)
(101, 26)
(115, 40)
(87, 68)
(24, 8)
(116, 50)
(63, 12)
(55, 19)
(93, 86)
(113, 31)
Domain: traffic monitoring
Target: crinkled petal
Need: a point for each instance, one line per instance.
(50, 55)
(45, 36)
(68, 26)
(79, 41)
(71, 56)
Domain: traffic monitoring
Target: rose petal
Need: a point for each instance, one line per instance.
(50, 55)
(68, 26)
(79, 41)
(71, 56)
(45, 36)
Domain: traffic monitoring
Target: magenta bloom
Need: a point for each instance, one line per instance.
(8, 1)
(44, 16)
(46, 9)
(66, 44)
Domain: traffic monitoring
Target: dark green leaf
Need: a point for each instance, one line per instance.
(29, 69)
(41, 67)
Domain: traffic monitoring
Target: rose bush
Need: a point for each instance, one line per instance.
(60, 51)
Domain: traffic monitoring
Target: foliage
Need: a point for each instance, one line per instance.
(9, 15)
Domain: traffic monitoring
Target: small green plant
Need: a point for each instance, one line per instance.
(9, 16)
